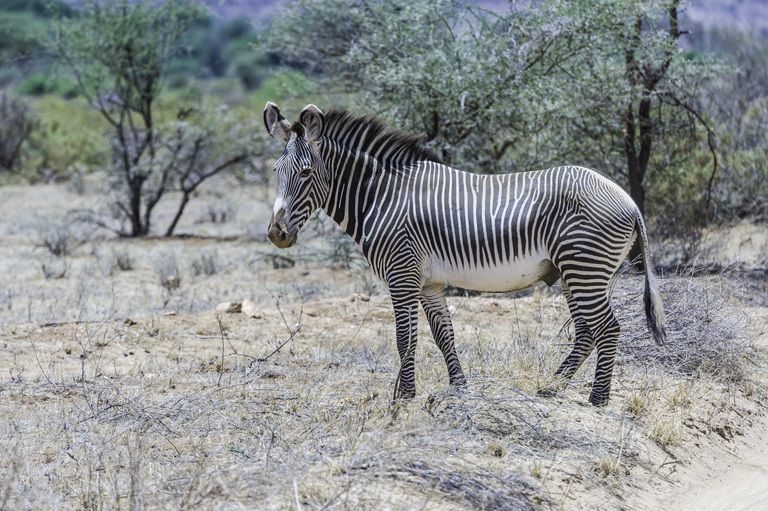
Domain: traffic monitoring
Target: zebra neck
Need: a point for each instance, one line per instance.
(352, 185)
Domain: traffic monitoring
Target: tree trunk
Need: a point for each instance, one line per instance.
(135, 208)
(635, 170)
(179, 212)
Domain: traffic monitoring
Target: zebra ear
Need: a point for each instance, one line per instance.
(276, 125)
(313, 120)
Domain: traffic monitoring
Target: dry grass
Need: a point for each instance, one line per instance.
(705, 329)
(107, 403)
(188, 412)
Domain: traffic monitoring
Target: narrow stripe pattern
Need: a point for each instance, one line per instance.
(422, 225)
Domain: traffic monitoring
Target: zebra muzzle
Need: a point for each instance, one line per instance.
(278, 232)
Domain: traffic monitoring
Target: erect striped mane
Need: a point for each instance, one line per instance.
(369, 134)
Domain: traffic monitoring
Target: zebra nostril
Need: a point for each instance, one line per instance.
(283, 235)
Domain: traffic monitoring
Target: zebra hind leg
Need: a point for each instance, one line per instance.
(607, 335)
(584, 341)
(591, 304)
(435, 307)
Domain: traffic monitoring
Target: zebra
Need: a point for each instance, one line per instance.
(423, 225)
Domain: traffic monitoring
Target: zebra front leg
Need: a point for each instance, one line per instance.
(406, 319)
(584, 344)
(435, 307)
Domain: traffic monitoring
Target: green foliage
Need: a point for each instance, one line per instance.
(549, 83)
(286, 85)
(42, 8)
(210, 48)
(20, 34)
(119, 51)
(215, 50)
(71, 135)
(23, 28)
(737, 104)
(38, 84)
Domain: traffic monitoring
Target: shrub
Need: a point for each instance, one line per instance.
(16, 125)
(206, 264)
(168, 273)
(38, 84)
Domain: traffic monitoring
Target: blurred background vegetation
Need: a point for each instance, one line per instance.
(672, 106)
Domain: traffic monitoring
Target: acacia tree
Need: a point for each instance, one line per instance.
(648, 89)
(119, 51)
(738, 106)
(595, 82)
(465, 77)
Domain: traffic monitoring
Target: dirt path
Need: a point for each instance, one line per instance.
(737, 481)
(730, 475)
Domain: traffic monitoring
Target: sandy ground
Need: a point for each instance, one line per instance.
(733, 476)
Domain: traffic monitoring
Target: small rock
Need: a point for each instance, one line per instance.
(250, 309)
(169, 313)
(451, 310)
(229, 307)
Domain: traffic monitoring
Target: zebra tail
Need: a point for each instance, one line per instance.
(654, 312)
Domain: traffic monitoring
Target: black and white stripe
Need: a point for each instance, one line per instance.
(422, 224)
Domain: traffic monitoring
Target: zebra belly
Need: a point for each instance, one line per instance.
(515, 275)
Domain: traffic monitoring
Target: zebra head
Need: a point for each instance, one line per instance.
(301, 185)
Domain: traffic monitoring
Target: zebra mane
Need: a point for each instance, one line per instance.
(369, 134)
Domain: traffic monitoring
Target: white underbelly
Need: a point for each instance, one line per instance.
(515, 275)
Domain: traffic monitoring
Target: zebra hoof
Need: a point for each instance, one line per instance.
(598, 399)
(459, 384)
(565, 372)
(403, 395)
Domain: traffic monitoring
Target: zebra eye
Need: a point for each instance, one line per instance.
(305, 171)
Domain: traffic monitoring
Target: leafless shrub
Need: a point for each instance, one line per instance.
(76, 182)
(168, 273)
(54, 267)
(206, 264)
(16, 125)
(474, 486)
(704, 327)
(281, 262)
(109, 260)
(517, 418)
(123, 260)
(220, 213)
(60, 240)
(104, 260)
(335, 249)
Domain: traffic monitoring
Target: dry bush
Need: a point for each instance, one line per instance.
(16, 125)
(292, 411)
(206, 264)
(220, 213)
(123, 260)
(54, 267)
(60, 239)
(168, 272)
(472, 486)
(705, 328)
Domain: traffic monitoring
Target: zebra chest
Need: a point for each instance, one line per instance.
(512, 275)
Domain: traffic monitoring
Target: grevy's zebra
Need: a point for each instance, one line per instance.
(422, 225)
